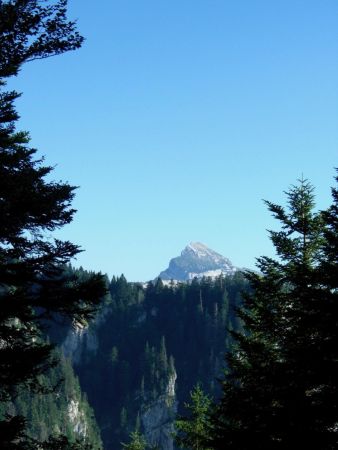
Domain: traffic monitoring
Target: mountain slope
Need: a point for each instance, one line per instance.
(139, 360)
(197, 260)
(64, 411)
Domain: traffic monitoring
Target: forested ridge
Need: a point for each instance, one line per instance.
(150, 335)
(148, 345)
(61, 410)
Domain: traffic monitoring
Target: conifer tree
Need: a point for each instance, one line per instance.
(280, 388)
(34, 284)
(137, 442)
(194, 431)
(329, 263)
(34, 29)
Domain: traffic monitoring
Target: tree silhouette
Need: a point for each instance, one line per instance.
(280, 388)
(34, 286)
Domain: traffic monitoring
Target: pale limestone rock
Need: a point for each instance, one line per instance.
(82, 340)
(158, 418)
(77, 418)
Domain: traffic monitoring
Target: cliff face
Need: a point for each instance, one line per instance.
(157, 418)
(77, 418)
(81, 342)
(82, 345)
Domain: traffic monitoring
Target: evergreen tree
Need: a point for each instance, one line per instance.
(137, 442)
(194, 431)
(280, 388)
(329, 263)
(33, 29)
(34, 284)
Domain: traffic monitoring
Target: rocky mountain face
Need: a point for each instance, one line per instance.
(157, 417)
(197, 261)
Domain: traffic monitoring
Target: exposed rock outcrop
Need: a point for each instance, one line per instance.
(81, 341)
(197, 260)
(77, 418)
(158, 417)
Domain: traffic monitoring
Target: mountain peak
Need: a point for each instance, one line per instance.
(196, 246)
(200, 250)
(197, 260)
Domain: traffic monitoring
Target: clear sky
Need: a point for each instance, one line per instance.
(177, 117)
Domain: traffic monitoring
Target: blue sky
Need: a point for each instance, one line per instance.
(178, 117)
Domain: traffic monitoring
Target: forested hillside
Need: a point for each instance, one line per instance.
(148, 347)
(62, 410)
(136, 361)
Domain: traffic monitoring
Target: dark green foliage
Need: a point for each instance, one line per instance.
(49, 413)
(137, 442)
(280, 389)
(34, 285)
(63, 443)
(195, 430)
(12, 434)
(329, 262)
(18, 440)
(150, 334)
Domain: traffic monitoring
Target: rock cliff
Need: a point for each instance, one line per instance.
(157, 418)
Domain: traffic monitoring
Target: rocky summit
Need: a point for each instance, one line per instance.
(197, 260)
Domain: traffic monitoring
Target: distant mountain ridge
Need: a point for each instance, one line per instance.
(197, 260)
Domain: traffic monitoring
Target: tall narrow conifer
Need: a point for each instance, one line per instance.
(280, 388)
